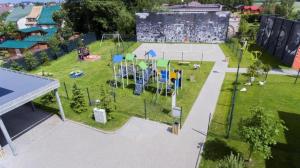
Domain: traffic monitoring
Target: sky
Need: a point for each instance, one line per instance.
(17, 1)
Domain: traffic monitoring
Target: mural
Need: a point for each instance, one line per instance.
(274, 35)
(267, 31)
(280, 37)
(263, 23)
(283, 37)
(206, 27)
(292, 45)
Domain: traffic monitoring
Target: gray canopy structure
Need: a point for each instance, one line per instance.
(17, 89)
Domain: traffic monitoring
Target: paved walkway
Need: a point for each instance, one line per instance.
(273, 71)
(140, 143)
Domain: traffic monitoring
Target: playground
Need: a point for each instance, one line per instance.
(147, 94)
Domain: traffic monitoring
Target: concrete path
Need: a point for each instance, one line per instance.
(273, 71)
(139, 144)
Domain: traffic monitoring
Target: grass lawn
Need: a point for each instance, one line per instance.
(248, 57)
(100, 72)
(280, 98)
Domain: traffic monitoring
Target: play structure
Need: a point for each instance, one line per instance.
(116, 37)
(146, 72)
(76, 74)
(84, 54)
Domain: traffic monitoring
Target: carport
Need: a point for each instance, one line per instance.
(17, 89)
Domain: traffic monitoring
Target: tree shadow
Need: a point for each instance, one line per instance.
(217, 149)
(287, 154)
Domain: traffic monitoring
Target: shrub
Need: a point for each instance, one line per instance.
(15, 66)
(231, 161)
(78, 103)
(44, 58)
(30, 60)
(47, 99)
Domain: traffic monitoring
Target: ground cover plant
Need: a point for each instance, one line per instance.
(98, 75)
(280, 99)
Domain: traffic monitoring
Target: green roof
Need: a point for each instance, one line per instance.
(37, 38)
(46, 16)
(31, 29)
(17, 44)
(129, 57)
(143, 65)
(162, 63)
(17, 13)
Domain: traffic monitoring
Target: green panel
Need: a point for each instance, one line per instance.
(143, 65)
(129, 57)
(161, 63)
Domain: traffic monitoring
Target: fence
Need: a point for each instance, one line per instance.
(64, 49)
(157, 107)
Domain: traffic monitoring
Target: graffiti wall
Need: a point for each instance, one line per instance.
(206, 27)
(280, 37)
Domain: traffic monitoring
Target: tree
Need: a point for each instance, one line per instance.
(78, 103)
(65, 26)
(231, 161)
(285, 8)
(269, 6)
(260, 132)
(106, 101)
(9, 30)
(266, 68)
(4, 54)
(244, 28)
(54, 43)
(15, 66)
(99, 16)
(30, 61)
(44, 58)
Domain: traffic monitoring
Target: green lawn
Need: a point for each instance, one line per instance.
(100, 72)
(280, 98)
(248, 57)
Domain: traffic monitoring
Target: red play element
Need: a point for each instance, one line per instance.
(92, 58)
(296, 64)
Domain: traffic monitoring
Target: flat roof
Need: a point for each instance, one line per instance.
(18, 88)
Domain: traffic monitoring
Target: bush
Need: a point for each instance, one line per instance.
(106, 101)
(30, 61)
(78, 103)
(15, 66)
(232, 161)
(47, 99)
(44, 58)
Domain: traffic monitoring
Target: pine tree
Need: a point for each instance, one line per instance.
(30, 61)
(106, 101)
(78, 103)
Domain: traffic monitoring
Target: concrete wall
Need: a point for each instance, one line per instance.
(204, 27)
(280, 37)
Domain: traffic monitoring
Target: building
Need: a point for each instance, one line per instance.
(31, 19)
(18, 15)
(16, 48)
(192, 22)
(194, 7)
(45, 19)
(18, 90)
(251, 9)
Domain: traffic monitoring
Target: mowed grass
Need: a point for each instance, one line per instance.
(127, 104)
(248, 57)
(280, 98)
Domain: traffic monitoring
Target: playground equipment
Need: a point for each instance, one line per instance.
(143, 78)
(163, 78)
(118, 73)
(130, 69)
(76, 74)
(115, 36)
(83, 52)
